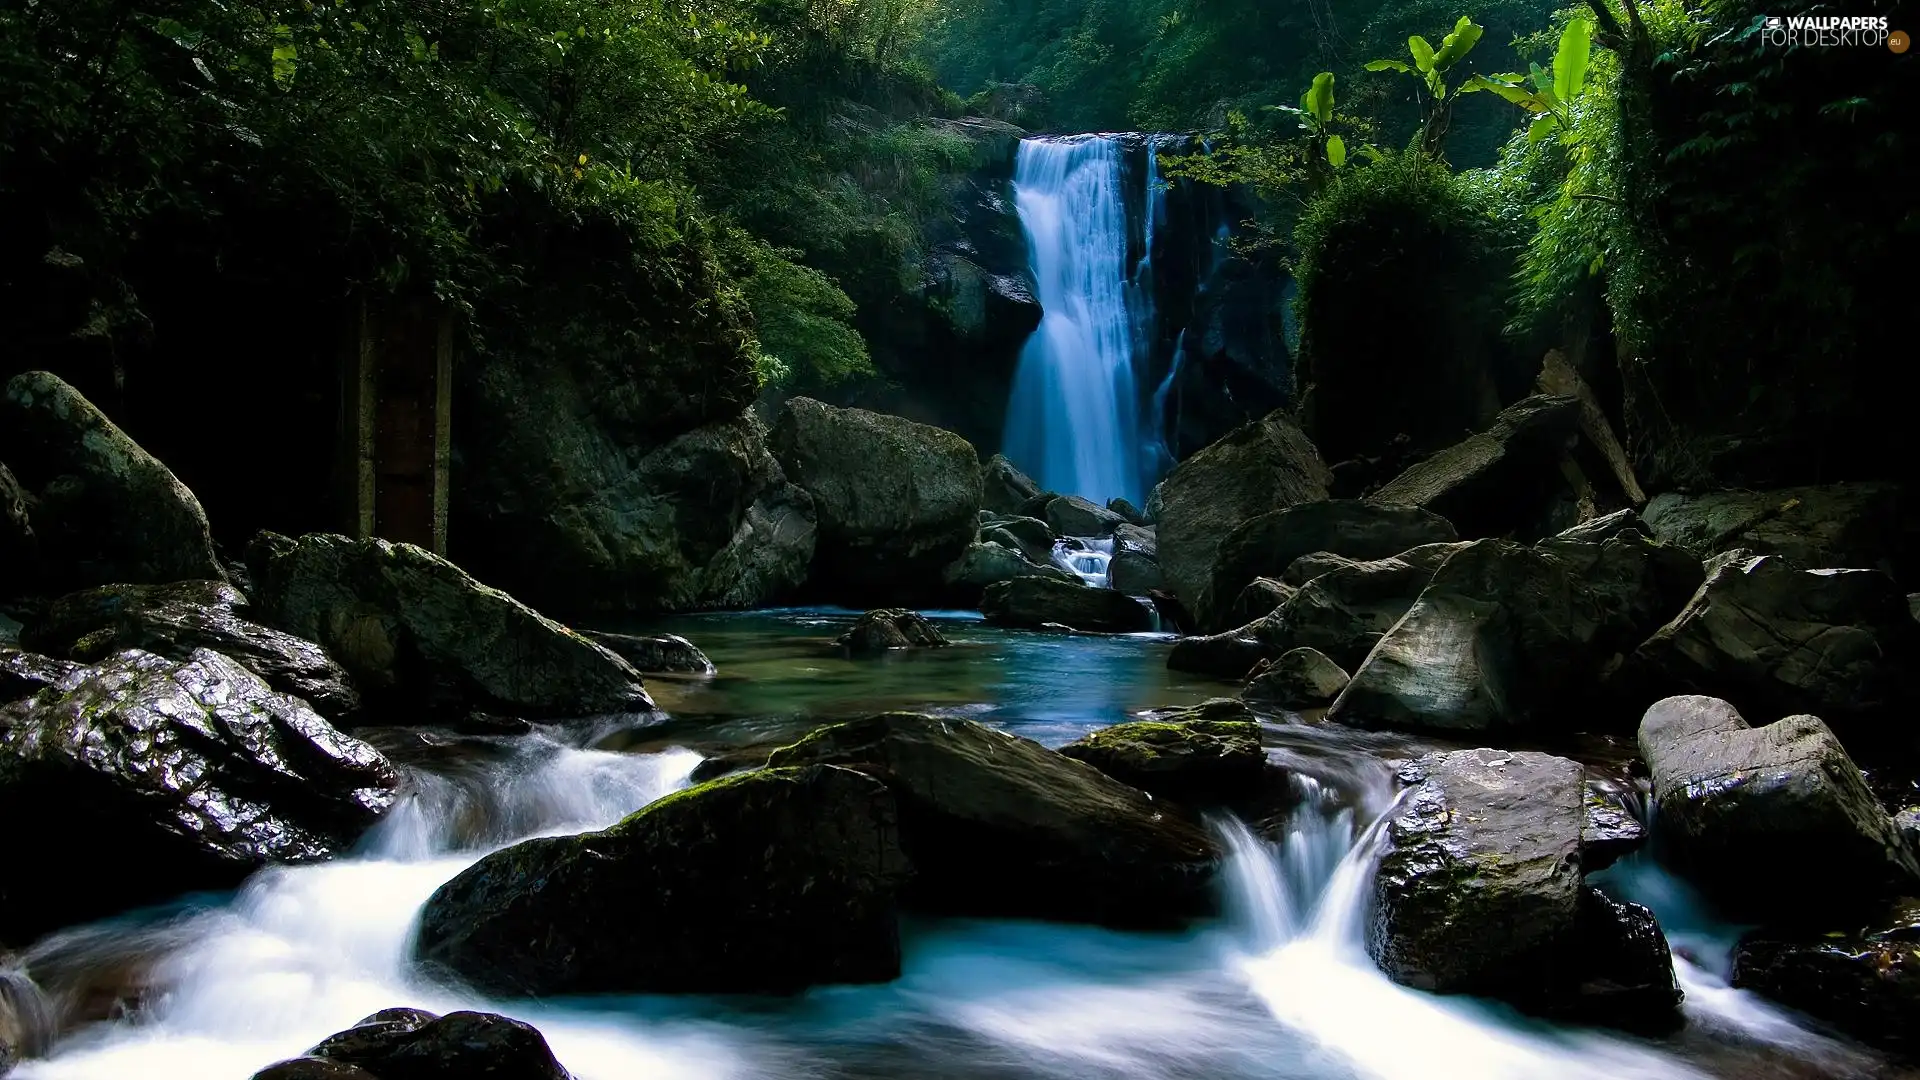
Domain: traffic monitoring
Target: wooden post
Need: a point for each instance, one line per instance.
(400, 423)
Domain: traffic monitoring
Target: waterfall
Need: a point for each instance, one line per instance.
(1073, 422)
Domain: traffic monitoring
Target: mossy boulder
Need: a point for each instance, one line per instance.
(24, 674)
(998, 825)
(1033, 602)
(1260, 467)
(172, 776)
(418, 633)
(175, 619)
(104, 509)
(1209, 754)
(896, 501)
(767, 881)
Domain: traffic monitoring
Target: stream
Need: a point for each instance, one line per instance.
(1279, 987)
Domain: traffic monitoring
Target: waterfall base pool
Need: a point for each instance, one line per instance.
(1279, 988)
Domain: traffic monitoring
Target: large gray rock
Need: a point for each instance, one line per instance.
(174, 620)
(1497, 482)
(105, 510)
(883, 629)
(585, 914)
(411, 1044)
(1773, 821)
(24, 674)
(1479, 891)
(170, 776)
(1507, 637)
(706, 519)
(1005, 489)
(991, 563)
(896, 501)
(654, 653)
(1859, 525)
(1071, 515)
(998, 825)
(1261, 467)
(417, 632)
(1344, 606)
(1029, 536)
(1135, 573)
(1298, 679)
(1261, 598)
(1268, 544)
(1207, 754)
(1033, 602)
(1770, 636)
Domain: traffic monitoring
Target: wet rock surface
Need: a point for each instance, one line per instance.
(1267, 545)
(1494, 483)
(1865, 981)
(654, 653)
(588, 913)
(890, 628)
(988, 564)
(23, 674)
(1071, 515)
(1297, 679)
(175, 619)
(1209, 754)
(174, 776)
(418, 633)
(896, 501)
(411, 1044)
(1774, 821)
(1866, 525)
(998, 825)
(1258, 468)
(1004, 488)
(104, 509)
(1033, 602)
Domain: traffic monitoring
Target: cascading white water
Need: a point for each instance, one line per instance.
(1089, 557)
(1073, 422)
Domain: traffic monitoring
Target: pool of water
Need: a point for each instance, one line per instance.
(1279, 988)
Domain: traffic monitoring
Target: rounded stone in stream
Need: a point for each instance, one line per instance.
(313, 1068)
(172, 776)
(765, 882)
(410, 1044)
(890, 628)
(1299, 679)
(1206, 754)
(999, 825)
(1031, 602)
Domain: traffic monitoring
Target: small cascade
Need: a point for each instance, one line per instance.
(1087, 556)
(1073, 420)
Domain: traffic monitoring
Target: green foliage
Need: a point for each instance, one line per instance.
(801, 316)
(1551, 96)
(1431, 66)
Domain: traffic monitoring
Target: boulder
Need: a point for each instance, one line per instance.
(1345, 606)
(105, 510)
(1495, 483)
(1507, 637)
(586, 914)
(24, 674)
(997, 825)
(1865, 982)
(173, 620)
(991, 563)
(896, 501)
(1263, 466)
(1297, 679)
(1774, 821)
(890, 628)
(1071, 515)
(1004, 488)
(19, 548)
(1209, 754)
(1128, 512)
(409, 1044)
(1479, 891)
(172, 776)
(1030, 602)
(651, 654)
(1027, 535)
(1134, 573)
(1144, 539)
(1261, 598)
(417, 633)
(1764, 633)
(1857, 525)
(1232, 655)
(1266, 545)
